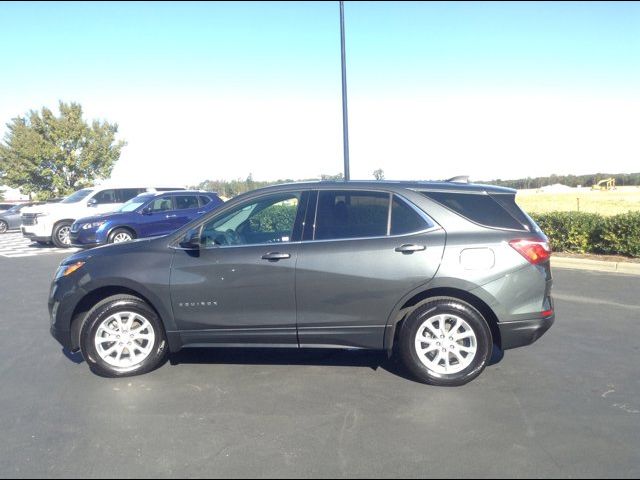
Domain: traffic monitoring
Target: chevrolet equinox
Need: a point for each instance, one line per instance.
(439, 273)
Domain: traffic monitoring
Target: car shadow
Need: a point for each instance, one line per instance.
(373, 359)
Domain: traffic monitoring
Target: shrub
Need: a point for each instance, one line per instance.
(592, 233)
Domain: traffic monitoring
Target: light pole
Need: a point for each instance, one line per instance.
(345, 119)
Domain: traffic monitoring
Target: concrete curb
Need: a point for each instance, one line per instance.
(596, 265)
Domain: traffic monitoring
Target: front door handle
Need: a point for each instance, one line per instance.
(171, 216)
(275, 256)
(409, 248)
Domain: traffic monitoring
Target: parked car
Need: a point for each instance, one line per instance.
(52, 222)
(438, 273)
(147, 215)
(11, 219)
(6, 206)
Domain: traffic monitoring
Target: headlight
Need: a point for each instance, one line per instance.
(38, 215)
(87, 226)
(65, 270)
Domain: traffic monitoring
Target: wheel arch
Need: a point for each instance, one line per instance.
(98, 294)
(122, 227)
(409, 303)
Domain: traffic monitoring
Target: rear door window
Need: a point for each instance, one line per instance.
(351, 214)
(106, 197)
(479, 208)
(125, 194)
(185, 202)
(405, 219)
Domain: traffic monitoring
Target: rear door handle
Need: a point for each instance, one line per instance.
(171, 216)
(409, 248)
(275, 256)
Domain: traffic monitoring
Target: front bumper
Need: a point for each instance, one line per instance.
(64, 296)
(85, 239)
(36, 237)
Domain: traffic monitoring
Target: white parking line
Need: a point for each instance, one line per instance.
(14, 245)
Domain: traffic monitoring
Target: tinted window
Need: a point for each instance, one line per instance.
(478, 208)
(405, 219)
(162, 204)
(184, 202)
(269, 219)
(77, 196)
(106, 196)
(204, 200)
(126, 194)
(352, 214)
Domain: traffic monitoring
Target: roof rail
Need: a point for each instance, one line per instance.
(459, 179)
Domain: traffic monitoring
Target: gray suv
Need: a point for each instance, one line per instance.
(438, 272)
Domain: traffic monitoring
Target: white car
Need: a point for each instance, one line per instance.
(52, 222)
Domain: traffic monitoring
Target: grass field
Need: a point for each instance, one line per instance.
(611, 202)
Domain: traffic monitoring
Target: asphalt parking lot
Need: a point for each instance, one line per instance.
(566, 406)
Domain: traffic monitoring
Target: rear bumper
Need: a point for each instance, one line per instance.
(523, 332)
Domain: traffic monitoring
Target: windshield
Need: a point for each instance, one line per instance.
(76, 197)
(14, 209)
(135, 203)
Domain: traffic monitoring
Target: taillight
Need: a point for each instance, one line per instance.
(534, 251)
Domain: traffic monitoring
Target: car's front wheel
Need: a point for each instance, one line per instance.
(4, 226)
(62, 235)
(120, 235)
(445, 342)
(122, 336)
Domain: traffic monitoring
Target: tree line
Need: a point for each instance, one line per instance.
(622, 179)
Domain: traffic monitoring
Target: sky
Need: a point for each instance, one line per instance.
(222, 90)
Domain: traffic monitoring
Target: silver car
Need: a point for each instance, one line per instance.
(439, 273)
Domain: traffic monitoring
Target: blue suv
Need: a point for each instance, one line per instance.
(147, 215)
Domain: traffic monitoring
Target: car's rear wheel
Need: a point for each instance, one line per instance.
(62, 235)
(4, 226)
(120, 235)
(445, 342)
(122, 336)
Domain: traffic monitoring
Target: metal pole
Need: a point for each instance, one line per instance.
(345, 119)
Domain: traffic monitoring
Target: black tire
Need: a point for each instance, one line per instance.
(119, 232)
(58, 237)
(451, 306)
(102, 311)
(4, 226)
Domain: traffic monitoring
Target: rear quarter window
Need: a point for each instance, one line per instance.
(479, 208)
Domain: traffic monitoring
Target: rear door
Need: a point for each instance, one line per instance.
(363, 251)
(186, 209)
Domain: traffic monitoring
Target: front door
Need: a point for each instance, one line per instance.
(239, 287)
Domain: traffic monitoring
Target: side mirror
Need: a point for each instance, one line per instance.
(146, 211)
(191, 240)
(92, 203)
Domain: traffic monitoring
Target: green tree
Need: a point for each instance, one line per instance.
(337, 177)
(378, 174)
(55, 155)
